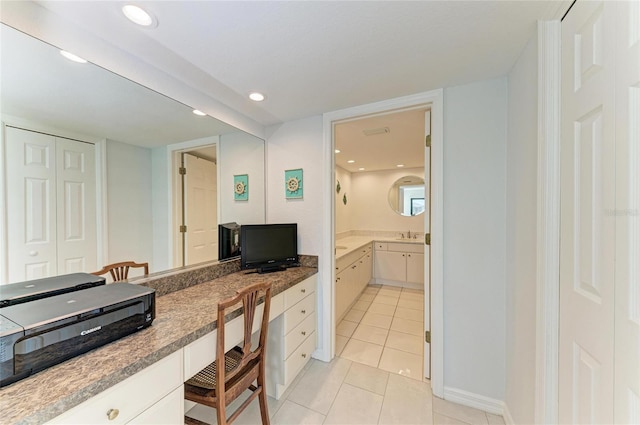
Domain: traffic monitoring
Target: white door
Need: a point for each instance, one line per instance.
(76, 207)
(627, 309)
(427, 248)
(31, 204)
(51, 205)
(201, 237)
(587, 225)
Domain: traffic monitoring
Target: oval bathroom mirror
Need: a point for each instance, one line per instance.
(406, 196)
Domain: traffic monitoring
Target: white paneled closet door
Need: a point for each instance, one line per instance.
(599, 341)
(627, 288)
(51, 205)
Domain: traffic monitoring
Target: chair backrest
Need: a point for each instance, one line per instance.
(250, 297)
(120, 271)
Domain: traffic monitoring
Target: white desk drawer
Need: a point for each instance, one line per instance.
(299, 358)
(294, 338)
(131, 396)
(299, 312)
(168, 411)
(299, 291)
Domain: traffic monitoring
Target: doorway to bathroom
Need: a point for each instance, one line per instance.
(396, 249)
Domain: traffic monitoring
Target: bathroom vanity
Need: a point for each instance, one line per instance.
(361, 260)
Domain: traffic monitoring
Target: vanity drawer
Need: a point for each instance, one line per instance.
(299, 358)
(298, 313)
(299, 291)
(406, 247)
(130, 397)
(294, 338)
(381, 246)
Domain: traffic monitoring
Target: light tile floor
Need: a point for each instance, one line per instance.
(378, 332)
(374, 380)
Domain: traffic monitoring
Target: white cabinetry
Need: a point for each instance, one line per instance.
(292, 338)
(353, 273)
(143, 398)
(399, 263)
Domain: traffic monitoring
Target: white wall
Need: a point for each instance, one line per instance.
(129, 203)
(297, 144)
(161, 222)
(521, 236)
(370, 198)
(241, 153)
(475, 134)
(344, 213)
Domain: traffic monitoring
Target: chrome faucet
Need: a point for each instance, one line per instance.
(409, 234)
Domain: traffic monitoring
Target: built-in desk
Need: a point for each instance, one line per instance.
(144, 372)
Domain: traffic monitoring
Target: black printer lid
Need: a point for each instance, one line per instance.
(15, 293)
(69, 305)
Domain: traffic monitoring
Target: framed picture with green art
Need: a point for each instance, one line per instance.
(293, 187)
(241, 187)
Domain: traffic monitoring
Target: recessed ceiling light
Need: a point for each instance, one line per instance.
(361, 169)
(400, 165)
(197, 112)
(256, 97)
(139, 16)
(72, 57)
(351, 161)
(337, 151)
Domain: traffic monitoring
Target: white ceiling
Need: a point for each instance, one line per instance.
(313, 57)
(403, 144)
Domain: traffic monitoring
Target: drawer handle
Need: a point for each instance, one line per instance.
(304, 356)
(303, 333)
(303, 290)
(112, 414)
(304, 312)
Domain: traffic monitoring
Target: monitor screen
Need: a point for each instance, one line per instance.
(268, 247)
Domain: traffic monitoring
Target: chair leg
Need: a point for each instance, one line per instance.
(262, 398)
(221, 413)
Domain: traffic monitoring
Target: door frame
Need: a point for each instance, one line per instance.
(434, 100)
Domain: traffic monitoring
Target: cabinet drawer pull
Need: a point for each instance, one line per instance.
(303, 333)
(304, 356)
(304, 312)
(112, 414)
(303, 290)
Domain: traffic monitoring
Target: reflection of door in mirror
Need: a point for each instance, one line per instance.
(199, 206)
(51, 225)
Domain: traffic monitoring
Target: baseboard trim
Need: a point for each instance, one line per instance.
(466, 398)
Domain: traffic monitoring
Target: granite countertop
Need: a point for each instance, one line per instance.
(181, 318)
(348, 244)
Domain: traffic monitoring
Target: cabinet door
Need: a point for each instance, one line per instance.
(368, 268)
(341, 294)
(391, 265)
(415, 267)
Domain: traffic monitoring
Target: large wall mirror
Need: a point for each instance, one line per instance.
(61, 119)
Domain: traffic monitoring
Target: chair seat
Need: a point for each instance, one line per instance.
(206, 378)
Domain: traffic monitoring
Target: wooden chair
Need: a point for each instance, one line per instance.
(216, 386)
(120, 271)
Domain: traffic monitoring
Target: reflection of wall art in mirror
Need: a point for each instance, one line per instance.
(241, 187)
(338, 187)
(344, 199)
(293, 184)
(417, 206)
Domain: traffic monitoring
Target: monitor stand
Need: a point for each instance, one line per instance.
(271, 269)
